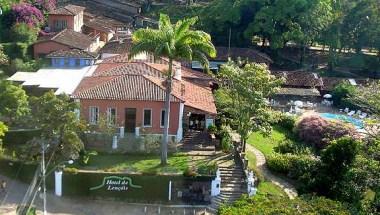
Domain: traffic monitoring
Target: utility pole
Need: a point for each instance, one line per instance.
(43, 169)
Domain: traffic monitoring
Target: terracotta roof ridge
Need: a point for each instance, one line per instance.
(59, 33)
(69, 11)
(147, 77)
(96, 86)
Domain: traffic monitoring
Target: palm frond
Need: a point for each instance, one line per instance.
(183, 26)
(164, 22)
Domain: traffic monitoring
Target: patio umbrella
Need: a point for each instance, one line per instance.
(327, 96)
(298, 103)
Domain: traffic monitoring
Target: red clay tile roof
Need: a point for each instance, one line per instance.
(69, 10)
(70, 38)
(125, 87)
(115, 47)
(244, 53)
(110, 76)
(72, 53)
(134, 68)
(329, 83)
(299, 79)
(195, 96)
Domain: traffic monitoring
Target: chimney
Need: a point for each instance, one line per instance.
(178, 72)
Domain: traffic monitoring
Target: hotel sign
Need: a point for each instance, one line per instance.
(116, 183)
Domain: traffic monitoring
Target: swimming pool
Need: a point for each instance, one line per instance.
(356, 122)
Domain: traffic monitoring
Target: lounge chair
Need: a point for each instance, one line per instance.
(359, 112)
(351, 113)
(363, 115)
(346, 110)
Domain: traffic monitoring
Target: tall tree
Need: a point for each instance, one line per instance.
(55, 115)
(13, 102)
(243, 96)
(174, 42)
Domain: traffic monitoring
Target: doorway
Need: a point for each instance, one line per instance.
(197, 122)
(130, 120)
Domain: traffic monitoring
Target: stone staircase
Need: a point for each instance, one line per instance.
(196, 141)
(233, 183)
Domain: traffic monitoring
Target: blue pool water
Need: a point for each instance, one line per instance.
(356, 122)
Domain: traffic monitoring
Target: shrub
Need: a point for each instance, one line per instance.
(294, 166)
(212, 129)
(16, 50)
(318, 132)
(280, 163)
(340, 94)
(85, 156)
(289, 146)
(190, 171)
(207, 169)
(226, 139)
(302, 166)
(287, 122)
(3, 130)
(21, 32)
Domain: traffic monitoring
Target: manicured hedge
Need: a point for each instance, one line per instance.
(18, 137)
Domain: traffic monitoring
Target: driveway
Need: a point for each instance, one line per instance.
(64, 206)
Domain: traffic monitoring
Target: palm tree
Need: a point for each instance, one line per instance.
(174, 42)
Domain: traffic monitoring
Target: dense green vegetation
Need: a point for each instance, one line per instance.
(267, 205)
(346, 28)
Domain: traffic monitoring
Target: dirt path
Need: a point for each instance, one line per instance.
(289, 189)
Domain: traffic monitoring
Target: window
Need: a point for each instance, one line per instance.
(55, 61)
(60, 24)
(94, 115)
(162, 119)
(147, 118)
(111, 116)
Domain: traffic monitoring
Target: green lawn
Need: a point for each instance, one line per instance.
(149, 164)
(265, 187)
(268, 188)
(266, 144)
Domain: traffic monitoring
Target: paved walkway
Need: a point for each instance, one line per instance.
(65, 206)
(289, 189)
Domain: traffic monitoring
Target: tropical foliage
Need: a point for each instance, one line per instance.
(13, 102)
(367, 97)
(242, 97)
(174, 42)
(60, 127)
(267, 205)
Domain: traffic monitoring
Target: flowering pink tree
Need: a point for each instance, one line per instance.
(319, 132)
(28, 14)
(45, 5)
